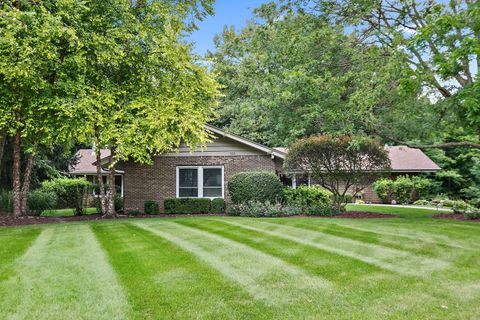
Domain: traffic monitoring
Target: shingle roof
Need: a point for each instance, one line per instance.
(86, 158)
(410, 159)
(403, 159)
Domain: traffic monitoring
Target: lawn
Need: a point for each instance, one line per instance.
(66, 212)
(411, 267)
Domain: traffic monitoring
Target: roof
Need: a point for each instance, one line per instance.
(258, 146)
(86, 159)
(406, 159)
(403, 159)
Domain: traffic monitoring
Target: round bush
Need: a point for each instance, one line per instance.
(308, 197)
(255, 186)
(151, 207)
(384, 189)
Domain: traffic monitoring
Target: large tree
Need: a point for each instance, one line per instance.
(39, 73)
(438, 43)
(288, 74)
(144, 90)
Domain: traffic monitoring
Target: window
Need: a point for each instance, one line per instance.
(200, 182)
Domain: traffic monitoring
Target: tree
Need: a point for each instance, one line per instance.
(288, 74)
(438, 43)
(144, 91)
(39, 66)
(338, 163)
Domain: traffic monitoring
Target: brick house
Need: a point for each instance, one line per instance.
(206, 172)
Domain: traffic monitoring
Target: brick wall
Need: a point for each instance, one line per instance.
(158, 181)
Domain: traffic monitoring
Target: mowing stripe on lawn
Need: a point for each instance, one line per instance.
(163, 281)
(264, 276)
(436, 235)
(385, 258)
(65, 272)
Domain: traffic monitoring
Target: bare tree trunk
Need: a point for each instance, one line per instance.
(101, 186)
(111, 185)
(17, 195)
(26, 184)
(3, 140)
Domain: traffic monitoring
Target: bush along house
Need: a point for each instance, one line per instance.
(205, 172)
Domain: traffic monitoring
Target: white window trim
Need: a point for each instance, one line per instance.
(199, 180)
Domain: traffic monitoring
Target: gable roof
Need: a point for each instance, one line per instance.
(250, 143)
(403, 159)
(86, 159)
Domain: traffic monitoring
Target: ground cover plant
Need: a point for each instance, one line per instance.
(409, 266)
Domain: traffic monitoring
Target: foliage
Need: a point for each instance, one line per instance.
(39, 201)
(403, 189)
(70, 192)
(384, 189)
(472, 213)
(338, 163)
(218, 206)
(255, 186)
(460, 206)
(308, 197)
(187, 205)
(289, 74)
(422, 202)
(256, 208)
(134, 212)
(151, 207)
(437, 44)
(6, 201)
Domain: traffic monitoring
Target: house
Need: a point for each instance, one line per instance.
(206, 172)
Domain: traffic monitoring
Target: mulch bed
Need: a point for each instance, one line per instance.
(10, 221)
(453, 216)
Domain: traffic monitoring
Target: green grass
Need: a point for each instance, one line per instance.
(66, 212)
(410, 267)
(398, 210)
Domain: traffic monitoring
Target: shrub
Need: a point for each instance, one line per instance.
(39, 201)
(133, 212)
(348, 197)
(359, 201)
(255, 186)
(473, 213)
(187, 205)
(268, 209)
(6, 202)
(256, 209)
(403, 188)
(151, 207)
(460, 206)
(307, 196)
(384, 189)
(218, 206)
(70, 192)
(422, 188)
(422, 202)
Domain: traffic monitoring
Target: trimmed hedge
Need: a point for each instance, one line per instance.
(218, 206)
(255, 186)
(187, 205)
(151, 207)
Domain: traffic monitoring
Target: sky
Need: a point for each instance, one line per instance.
(227, 12)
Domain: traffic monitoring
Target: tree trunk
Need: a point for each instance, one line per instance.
(17, 196)
(3, 140)
(101, 186)
(26, 184)
(111, 185)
